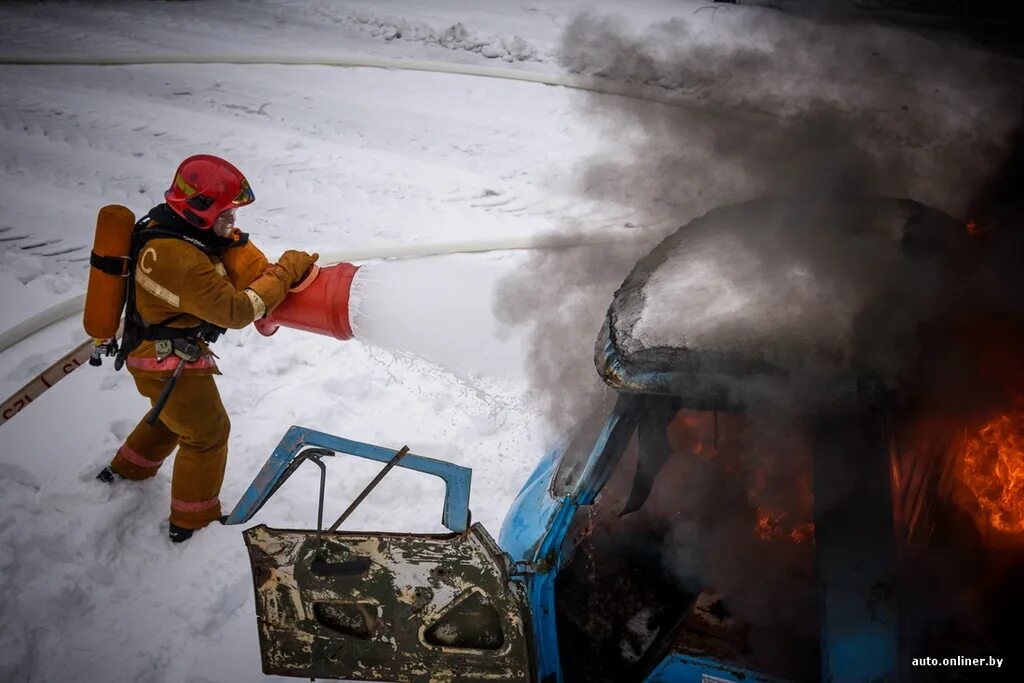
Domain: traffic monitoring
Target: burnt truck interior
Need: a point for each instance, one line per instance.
(677, 509)
(795, 502)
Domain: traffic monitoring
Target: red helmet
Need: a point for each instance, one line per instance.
(204, 186)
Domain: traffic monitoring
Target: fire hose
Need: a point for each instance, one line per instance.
(79, 355)
(648, 92)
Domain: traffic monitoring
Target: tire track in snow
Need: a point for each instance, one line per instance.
(31, 25)
(65, 143)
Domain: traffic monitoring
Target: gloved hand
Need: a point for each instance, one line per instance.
(296, 264)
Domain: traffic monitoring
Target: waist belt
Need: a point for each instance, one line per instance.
(169, 363)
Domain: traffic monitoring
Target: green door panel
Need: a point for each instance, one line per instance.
(388, 607)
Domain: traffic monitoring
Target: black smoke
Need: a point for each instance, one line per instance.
(760, 103)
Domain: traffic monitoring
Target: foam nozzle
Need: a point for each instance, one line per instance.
(319, 304)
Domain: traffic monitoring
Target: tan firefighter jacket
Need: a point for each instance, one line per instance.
(180, 285)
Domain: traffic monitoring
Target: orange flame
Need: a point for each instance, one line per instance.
(771, 524)
(694, 432)
(768, 524)
(802, 532)
(991, 471)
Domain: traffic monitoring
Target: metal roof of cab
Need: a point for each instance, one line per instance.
(775, 294)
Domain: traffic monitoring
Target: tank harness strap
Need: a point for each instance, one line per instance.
(119, 266)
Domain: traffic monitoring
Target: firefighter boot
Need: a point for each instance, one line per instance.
(108, 476)
(179, 534)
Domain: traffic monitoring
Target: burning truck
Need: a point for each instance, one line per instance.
(809, 466)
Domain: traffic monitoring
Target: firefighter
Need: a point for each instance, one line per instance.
(193, 276)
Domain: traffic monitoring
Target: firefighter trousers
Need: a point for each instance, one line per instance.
(194, 421)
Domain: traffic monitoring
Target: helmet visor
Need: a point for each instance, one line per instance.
(245, 195)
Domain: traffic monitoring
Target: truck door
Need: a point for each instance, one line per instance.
(389, 606)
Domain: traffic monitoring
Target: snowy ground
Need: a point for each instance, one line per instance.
(344, 158)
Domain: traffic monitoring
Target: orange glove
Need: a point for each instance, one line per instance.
(296, 265)
(273, 285)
